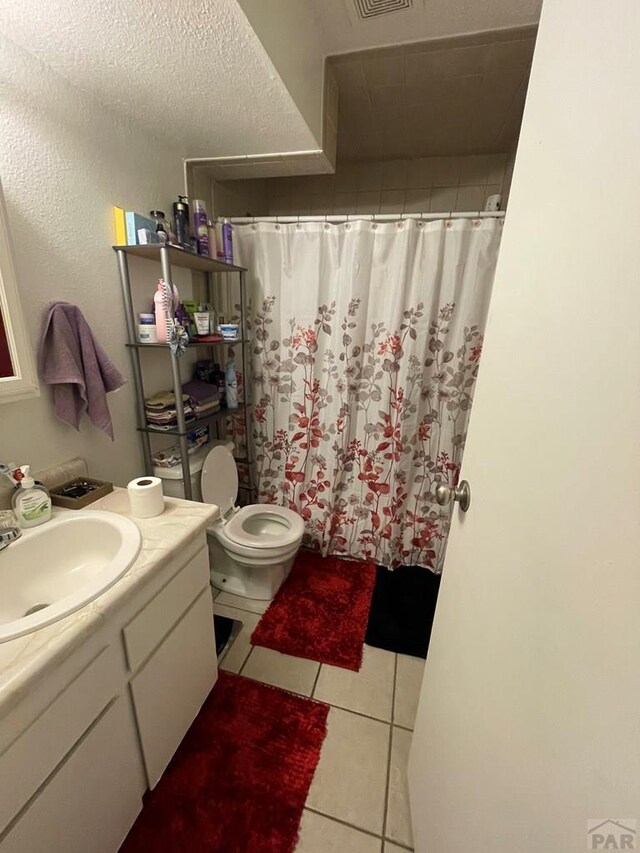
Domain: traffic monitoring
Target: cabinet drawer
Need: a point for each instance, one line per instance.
(92, 800)
(38, 750)
(147, 630)
(169, 690)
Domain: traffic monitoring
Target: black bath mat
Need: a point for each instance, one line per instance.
(402, 608)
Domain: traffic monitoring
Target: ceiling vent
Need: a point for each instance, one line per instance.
(374, 8)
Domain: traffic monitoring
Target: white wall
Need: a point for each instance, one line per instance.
(64, 160)
(291, 35)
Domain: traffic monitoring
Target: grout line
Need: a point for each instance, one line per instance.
(393, 692)
(404, 728)
(357, 713)
(386, 790)
(398, 844)
(245, 661)
(315, 684)
(237, 606)
(344, 822)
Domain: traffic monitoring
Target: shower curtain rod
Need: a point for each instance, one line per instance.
(369, 217)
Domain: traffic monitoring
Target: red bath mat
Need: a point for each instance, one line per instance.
(321, 611)
(240, 778)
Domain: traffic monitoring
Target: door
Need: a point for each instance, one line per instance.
(528, 730)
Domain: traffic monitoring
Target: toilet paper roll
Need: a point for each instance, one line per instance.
(145, 497)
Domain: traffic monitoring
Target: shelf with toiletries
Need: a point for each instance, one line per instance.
(191, 343)
(192, 423)
(179, 257)
(179, 327)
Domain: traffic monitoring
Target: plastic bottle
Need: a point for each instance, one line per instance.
(30, 502)
(231, 385)
(161, 314)
(219, 380)
(211, 229)
(181, 220)
(227, 241)
(219, 241)
(200, 230)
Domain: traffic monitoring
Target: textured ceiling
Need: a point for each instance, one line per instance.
(344, 31)
(192, 72)
(444, 97)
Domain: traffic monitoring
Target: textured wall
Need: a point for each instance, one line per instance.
(190, 72)
(64, 160)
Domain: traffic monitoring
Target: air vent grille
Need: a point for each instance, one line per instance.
(374, 8)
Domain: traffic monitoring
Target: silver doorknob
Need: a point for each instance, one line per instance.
(461, 493)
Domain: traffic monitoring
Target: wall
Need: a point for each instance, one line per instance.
(435, 184)
(289, 32)
(64, 160)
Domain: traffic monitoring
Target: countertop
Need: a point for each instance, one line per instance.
(24, 661)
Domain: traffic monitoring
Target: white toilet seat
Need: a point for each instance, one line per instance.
(263, 526)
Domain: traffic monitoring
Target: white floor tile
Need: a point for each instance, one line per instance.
(369, 691)
(250, 604)
(320, 834)
(351, 776)
(408, 683)
(393, 848)
(241, 646)
(271, 667)
(398, 825)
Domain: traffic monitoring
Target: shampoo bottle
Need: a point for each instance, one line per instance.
(231, 386)
(30, 502)
(200, 229)
(181, 220)
(227, 241)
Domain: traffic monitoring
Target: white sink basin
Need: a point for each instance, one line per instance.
(62, 565)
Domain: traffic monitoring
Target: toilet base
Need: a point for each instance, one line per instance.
(260, 582)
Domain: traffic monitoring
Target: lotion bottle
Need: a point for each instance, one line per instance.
(30, 502)
(231, 386)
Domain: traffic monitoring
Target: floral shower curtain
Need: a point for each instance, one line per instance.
(366, 339)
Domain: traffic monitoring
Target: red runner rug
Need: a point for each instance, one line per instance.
(240, 778)
(320, 612)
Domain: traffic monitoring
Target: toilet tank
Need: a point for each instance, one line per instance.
(172, 479)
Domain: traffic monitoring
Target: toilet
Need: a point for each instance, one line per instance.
(252, 548)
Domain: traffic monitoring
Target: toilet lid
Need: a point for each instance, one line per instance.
(219, 480)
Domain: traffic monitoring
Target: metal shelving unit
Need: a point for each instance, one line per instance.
(168, 257)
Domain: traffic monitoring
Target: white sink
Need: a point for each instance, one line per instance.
(62, 565)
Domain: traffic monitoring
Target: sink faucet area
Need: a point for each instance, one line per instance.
(57, 568)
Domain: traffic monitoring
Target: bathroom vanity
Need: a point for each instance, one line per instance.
(92, 707)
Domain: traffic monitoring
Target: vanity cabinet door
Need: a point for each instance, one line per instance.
(170, 688)
(92, 800)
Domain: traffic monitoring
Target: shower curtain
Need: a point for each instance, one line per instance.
(366, 340)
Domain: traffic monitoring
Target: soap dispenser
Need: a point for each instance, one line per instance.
(31, 501)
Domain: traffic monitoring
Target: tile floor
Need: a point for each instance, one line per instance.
(358, 800)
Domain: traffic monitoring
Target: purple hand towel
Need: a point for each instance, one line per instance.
(75, 364)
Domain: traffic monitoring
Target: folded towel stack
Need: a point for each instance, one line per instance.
(161, 412)
(205, 398)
